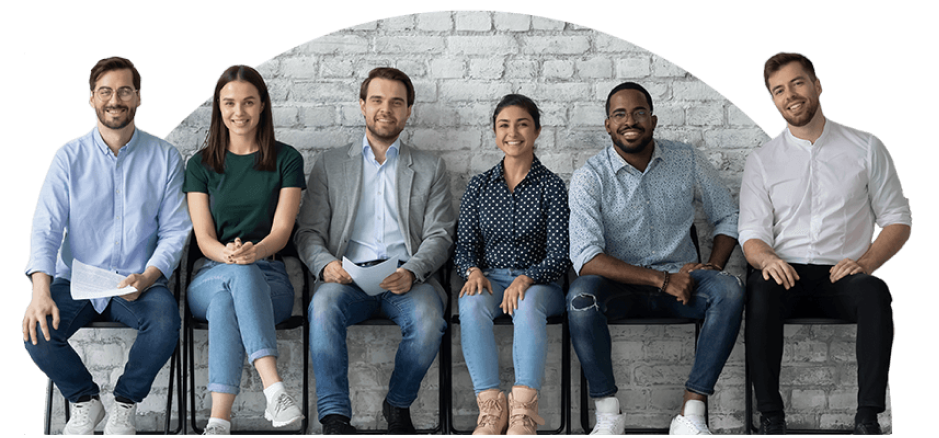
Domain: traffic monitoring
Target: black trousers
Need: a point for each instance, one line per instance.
(859, 298)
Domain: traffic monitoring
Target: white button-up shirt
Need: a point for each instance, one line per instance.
(817, 203)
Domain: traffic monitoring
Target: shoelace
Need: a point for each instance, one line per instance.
(282, 403)
(83, 412)
(213, 428)
(490, 406)
(525, 413)
(606, 421)
(121, 412)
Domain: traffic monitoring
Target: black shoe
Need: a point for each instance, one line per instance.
(867, 429)
(399, 419)
(335, 424)
(772, 426)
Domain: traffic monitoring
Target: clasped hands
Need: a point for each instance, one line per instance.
(238, 253)
(398, 283)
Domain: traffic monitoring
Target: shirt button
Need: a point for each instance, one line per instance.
(117, 242)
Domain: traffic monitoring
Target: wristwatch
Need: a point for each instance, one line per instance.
(469, 271)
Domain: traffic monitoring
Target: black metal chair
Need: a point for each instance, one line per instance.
(175, 364)
(294, 322)
(584, 399)
(751, 427)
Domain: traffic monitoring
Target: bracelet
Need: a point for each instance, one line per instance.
(712, 265)
(665, 283)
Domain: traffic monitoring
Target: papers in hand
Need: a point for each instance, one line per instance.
(90, 282)
(368, 278)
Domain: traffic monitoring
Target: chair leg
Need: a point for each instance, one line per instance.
(47, 426)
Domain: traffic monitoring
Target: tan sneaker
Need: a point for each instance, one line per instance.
(523, 411)
(493, 413)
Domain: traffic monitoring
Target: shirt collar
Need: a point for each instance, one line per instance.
(807, 144)
(99, 141)
(370, 154)
(617, 162)
(534, 174)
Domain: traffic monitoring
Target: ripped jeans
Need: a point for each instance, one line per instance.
(592, 300)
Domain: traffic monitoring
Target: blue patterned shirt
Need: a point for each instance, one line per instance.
(524, 230)
(643, 218)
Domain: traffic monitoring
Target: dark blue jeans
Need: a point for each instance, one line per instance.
(155, 316)
(718, 298)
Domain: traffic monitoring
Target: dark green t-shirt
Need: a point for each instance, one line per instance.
(243, 199)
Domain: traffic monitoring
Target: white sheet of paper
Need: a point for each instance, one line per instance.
(369, 278)
(92, 282)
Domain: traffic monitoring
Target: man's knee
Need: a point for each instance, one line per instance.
(327, 301)
(870, 290)
(581, 296)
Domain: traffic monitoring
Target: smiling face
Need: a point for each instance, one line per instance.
(116, 113)
(630, 122)
(795, 93)
(385, 109)
(240, 105)
(515, 132)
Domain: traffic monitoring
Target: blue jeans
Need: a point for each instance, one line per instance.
(334, 307)
(242, 304)
(529, 349)
(155, 316)
(718, 298)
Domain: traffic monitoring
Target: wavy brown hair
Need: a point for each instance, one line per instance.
(217, 140)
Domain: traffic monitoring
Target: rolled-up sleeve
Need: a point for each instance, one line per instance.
(50, 217)
(586, 227)
(756, 209)
(886, 195)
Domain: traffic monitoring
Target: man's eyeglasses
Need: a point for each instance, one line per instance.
(123, 93)
(638, 116)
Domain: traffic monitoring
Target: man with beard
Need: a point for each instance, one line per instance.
(808, 204)
(374, 200)
(631, 208)
(115, 194)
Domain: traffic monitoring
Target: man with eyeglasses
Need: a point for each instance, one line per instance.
(632, 206)
(115, 196)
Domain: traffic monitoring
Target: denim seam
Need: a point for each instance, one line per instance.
(264, 352)
(218, 387)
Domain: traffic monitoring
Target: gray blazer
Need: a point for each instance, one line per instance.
(425, 211)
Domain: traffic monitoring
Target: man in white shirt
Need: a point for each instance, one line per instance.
(808, 204)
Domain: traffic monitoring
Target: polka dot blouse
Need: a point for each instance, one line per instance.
(525, 230)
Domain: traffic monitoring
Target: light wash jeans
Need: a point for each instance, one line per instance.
(718, 298)
(155, 316)
(242, 304)
(529, 350)
(334, 307)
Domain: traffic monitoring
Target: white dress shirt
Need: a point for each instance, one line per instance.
(817, 203)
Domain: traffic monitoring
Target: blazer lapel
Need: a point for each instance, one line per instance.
(349, 194)
(403, 183)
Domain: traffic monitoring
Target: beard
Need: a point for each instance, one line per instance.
(384, 134)
(623, 147)
(116, 123)
(811, 107)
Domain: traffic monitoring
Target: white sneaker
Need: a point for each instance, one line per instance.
(693, 422)
(122, 419)
(215, 429)
(610, 421)
(283, 410)
(85, 416)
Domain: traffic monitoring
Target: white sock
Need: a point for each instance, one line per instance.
(695, 408)
(270, 391)
(607, 405)
(224, 423)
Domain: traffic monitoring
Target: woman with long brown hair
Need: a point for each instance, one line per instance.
(243, 190)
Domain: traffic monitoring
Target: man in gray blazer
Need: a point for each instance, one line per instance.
(375, 200)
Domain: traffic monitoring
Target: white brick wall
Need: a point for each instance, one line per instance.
(461, 64)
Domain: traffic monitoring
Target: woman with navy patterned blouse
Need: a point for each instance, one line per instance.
(512, 249)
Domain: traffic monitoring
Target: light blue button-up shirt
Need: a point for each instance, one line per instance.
(376, 233)
(643, 218)
(120, 213)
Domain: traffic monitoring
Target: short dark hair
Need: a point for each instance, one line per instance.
(113, 63)
(523, 102)
(779, 60)
(628, 86)
(391, 74)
